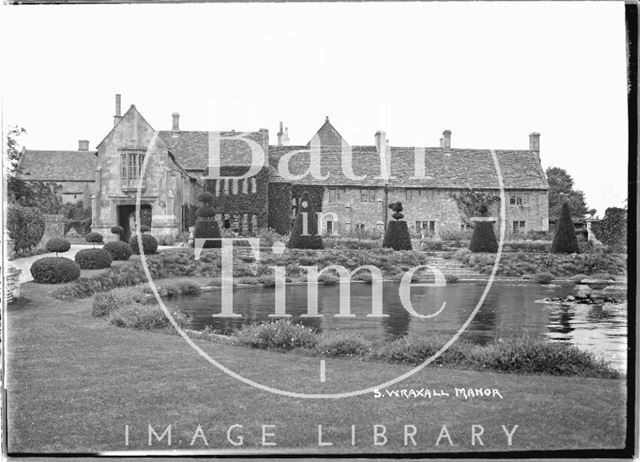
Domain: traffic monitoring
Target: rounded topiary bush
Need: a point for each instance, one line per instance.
(119, 230)
(149, 244)
(54, 270)
(58, 245)
(206, 224)
(119, 250)
(93, 259)
(94, 238)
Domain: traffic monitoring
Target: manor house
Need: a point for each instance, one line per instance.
(351, 185)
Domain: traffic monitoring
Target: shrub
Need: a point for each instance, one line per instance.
(144, 317)
(311, 240)
(483, 238)
(94, 238)
(93, 259)
(118, 250)
(565, 240)
(145, 228)
(205, 197)
(54, 270)
(167, 239)
(612, 229)
(58, 245)
(543, 278)
(279, 335)
(329, 279)
(149, 244)
(25, 226)
(105, 303)
(173, 287)
(267, 280)
(343, 345)
(577, 279)
(119, 230)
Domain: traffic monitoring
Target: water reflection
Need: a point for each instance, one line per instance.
(508, 310)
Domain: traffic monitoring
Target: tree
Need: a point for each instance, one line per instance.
(299, 238)
(470, 202)
(561, 191)
(565, 240)
(612, 229)
(14, 155)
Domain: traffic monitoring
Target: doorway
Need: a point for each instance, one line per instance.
(127, 218)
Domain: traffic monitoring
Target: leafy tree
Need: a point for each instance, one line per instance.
(14, 155)
(311, 239)
(612, 229)
(561, 191)
(565, 240)
(471, 201)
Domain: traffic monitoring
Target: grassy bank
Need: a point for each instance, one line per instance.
(74, 382)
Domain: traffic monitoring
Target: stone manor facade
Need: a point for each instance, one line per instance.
(350, 185)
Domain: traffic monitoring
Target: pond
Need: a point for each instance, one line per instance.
(509, 310)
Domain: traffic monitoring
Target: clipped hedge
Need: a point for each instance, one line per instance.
(149, 244)
(119, 250)
(58, 245)
(54, 270)
(93, 259)
(94, 238)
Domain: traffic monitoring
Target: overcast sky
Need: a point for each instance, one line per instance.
(489, 72)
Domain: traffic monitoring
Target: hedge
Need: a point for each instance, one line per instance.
(149, 244)
(54, 270)
(119, 250)
(93, 259)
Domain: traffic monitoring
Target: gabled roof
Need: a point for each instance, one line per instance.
(191, 148)
(452, 168)
(58, 165)
(327, 135)
(131, 112)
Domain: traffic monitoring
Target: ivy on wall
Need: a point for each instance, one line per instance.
(470, 201)
(240, 203)
(280, 207)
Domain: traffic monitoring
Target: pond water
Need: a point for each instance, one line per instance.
(509, 310)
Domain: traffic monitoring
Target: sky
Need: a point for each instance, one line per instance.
(490, 72)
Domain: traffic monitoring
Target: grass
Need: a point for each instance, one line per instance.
(74, 382)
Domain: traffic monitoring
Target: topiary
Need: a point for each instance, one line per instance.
(119, 250)
(54, 270)
(93, 259)
(149, 244)
(94, 238)
(25, 226)
(483, 239)
(397, 235)
(119, 230)
(144, 229)
(311, 239)
(58, 245)
(565, 241)
(206, 224)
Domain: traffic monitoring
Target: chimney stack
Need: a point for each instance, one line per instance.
(446, 140)
(381, 139)
(118, 116)
(83, 145)
(534, 141)
(176, 122)
(283, 136)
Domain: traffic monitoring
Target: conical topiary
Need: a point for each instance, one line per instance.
(397, 234)
(565, 240)
(483, 239)
(311, 239)
(206, 224)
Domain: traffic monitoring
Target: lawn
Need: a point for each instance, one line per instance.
(74, 383)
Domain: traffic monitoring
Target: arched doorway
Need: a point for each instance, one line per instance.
(127, 218)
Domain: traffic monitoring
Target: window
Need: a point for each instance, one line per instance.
(130, 167)
(426, 227)
(367, 195)
(520, 199)
(518, 227)
(254, 185)
(329, 227)
(360, 227)
(336, 194)
(465, 226)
